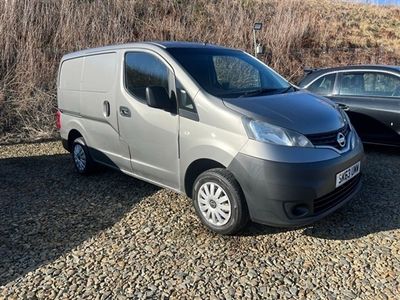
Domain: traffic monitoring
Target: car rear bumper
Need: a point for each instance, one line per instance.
(288, 194)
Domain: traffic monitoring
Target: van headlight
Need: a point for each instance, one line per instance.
(264, 132)
(345, 117)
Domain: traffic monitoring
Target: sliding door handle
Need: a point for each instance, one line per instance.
(106, 108)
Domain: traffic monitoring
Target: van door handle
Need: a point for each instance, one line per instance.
(106, 108)
(124, 111)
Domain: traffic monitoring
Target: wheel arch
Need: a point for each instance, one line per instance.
(195, 169)
(72, 129)
(72, 136)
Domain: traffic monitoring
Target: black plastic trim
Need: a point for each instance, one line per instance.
(65, 145)
(189, 114)
(272, 187)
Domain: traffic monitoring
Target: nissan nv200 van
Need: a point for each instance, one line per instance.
(213, 123)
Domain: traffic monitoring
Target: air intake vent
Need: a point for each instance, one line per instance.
(329, 138)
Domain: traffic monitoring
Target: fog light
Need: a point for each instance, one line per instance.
(300, 210)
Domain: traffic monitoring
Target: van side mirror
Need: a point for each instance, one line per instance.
(157, 97)
(182, 97)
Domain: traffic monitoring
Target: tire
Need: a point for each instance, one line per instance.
(83, 162)
(223, 210)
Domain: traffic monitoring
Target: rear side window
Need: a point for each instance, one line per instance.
(143, 70)
(369, 84)
(323, 85)
(381, 84)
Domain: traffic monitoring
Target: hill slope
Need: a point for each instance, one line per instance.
(35, 34)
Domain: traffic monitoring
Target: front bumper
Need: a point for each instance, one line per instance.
(293, 193)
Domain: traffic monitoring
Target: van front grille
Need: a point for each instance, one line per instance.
(329, 138)
(335, 197)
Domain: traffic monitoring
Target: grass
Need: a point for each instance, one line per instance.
(297, 33)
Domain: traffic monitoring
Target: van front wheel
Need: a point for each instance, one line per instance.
(219, 201)
(81, 157)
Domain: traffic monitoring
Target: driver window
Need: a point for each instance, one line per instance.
(352, 84)
(143, 70)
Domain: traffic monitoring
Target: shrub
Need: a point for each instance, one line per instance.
(35, 34)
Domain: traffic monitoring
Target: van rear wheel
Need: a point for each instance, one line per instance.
(219, 201)
(83, 162)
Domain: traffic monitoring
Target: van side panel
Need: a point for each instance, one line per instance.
(98, 80)
(218, 136)
(97, 92)
(86, 93)
(69, 85)
(99, 72)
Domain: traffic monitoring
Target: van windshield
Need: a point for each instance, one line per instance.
(229, 73)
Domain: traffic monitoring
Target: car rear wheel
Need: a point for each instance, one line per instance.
(219, 201)
(81, 157)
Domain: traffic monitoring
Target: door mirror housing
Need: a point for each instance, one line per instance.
(182, 97)
(157, 97)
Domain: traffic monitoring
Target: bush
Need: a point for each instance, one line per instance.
(35, 34)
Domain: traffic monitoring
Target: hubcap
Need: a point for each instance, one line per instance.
(214, 204)
(79, 157)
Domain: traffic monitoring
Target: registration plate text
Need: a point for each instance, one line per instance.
(347, 174)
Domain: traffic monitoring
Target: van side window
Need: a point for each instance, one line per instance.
(143, 70)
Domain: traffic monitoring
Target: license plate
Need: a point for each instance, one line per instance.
(347, 174)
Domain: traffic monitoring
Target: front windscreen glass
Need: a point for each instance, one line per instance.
(229, 73)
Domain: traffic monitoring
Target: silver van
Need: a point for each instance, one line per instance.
(214, 123)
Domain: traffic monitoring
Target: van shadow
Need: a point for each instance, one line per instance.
(46, 209)
(376, 208)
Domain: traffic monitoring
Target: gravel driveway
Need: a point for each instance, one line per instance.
(109, 236)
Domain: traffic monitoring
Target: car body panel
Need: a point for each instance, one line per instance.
(376, 118)
(299, 111)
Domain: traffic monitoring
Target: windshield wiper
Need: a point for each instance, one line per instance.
(265, 90)
(290, 87)
(257, 92)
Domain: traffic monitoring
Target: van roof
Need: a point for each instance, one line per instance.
(178, 44)
(159, 44)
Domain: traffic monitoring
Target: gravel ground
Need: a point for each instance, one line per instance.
(109, 236)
